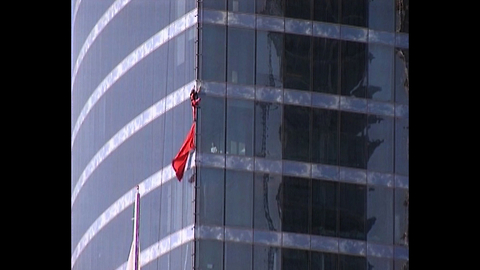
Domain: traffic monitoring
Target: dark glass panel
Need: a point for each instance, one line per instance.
(323, 261)
(300, 9)
(401, 216)
(380, 143)
(213, 53)
(401, 145)
(244, 6)
(353, 68)
(210, 199)
(238, 256)
(238, 199)
(241, 55)
(269, 59)
(294, 259)
(296, 133)
(325, 136)
(380, 72)
(401, 75)
(209, 254)
(268, 199)
(239, 127)
(379, 225)
(402, 8)
(296, 200)
(324, 207)
(379, 263)
(270, 7)
(268, 120)
(212, 125)
(297, 62)
(347, 262)
(355, 12)
(215, 4)
(352, 139)
(325, 65)
(266, 258)
(352, 211)
(381, 15)
(326, 10)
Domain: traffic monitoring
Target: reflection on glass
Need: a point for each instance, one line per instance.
(401, 75)
(401, 145)
(325, 65)
(325, 136)
(213, 52)
(381, 15)
(380, 72)
(241, 55)
(210, 196)
(165, 209)
(324, 261)
(212, 125)
(266, 258)
(244, 6)
(238, 199)
(402, 15)
(268, 117)
(353, 68)
(299, 9)
(296, 133)
(209, 254)
(295, 259)
(401, 216)
(324, 207)
(177, 207)
(295, 206)
(352, 139)
(239, 127)
(347, 262)
(380, 143)
(176, 258)
(270, 7)
(379, 263)
(238, 256)
(269, 59)
(215, 4)
(326, 10)
(354, 12)
(379, 224)
(267, 202)
(297, 62)
(352, 211)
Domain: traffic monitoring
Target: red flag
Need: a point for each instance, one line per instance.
(180, 160)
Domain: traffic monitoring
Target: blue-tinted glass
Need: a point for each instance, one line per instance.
(402, 15)
(347, 262)
(401, 216)
(179, 61)
(352, 211)
(270, 7)
(294, 259)
(380, 143)
(401, 75)
(326, 10)
(325, 137)
(354, 12)
(166, 209)
(266, 257)
(267, 202)
(297, 62)
(177, 204)
(176, 260)
(238, 256)
(209, 254)
(215, 4)
(323, 261)
(295, 212)
(379, 224)
(380, 72)
(245, 6)
(380, 263)
(381, 15)
(325, 65)
(296, 133)
(212, 124)
(241, 55)
(239, 127)
(299, 9)
(269, 59)
(324, 207)
(210, 199)
(213, 52)
(268, 120)
(238, 199)
(353, 139)
(353, 68)
(401, 145)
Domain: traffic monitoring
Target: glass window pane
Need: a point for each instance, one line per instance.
(213, 52)
(323, 261)
(269, 59)
(402, 18)
(297, 62)
(179, 61)
(401, 216)
(296, 196)
(352, 211)
(238, 199)
(215, 4)
(380, 143)
(326, 10)
(324, 207)
(380, 72)
(210, 196)
(353, 68)
(325, 136)
(379, 225)
(298, 9)
(209, 254)
(239, 127)
(267, 202)
(352, 139)
(354, 12)
(241, 55)
(296, 133)
(270, 7)
(325, 65)
(379, 263)
(294, 259)
(268, 120)
(245, 6)
(401, 75)
(401, 145)
(238, 256)
(266, 257)
(165, 209)
(212, 125)
(381, 15)
(346, 262)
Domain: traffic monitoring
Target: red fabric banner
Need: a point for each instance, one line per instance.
(180, 160)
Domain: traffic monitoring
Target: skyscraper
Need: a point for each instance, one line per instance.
(301, 157)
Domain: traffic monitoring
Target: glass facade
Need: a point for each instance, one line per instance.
(302, 138)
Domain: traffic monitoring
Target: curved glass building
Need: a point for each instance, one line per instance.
(301, 158)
